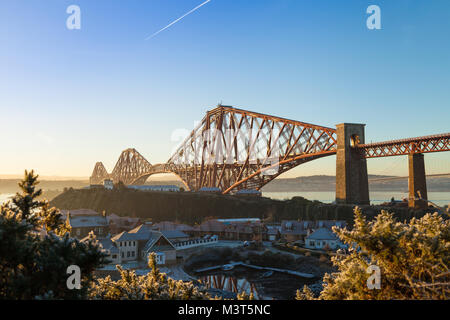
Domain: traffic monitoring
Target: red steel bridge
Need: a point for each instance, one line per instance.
(233, 149)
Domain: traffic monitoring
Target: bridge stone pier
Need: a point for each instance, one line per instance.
(417, 183)
(352, 185)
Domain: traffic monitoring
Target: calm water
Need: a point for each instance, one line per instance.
(231, 284)
(276, 286)
(5, 197)
(440, 198)
(376, 197)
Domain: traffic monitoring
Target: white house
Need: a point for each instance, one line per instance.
(127, 245)
(322, 238)
(138, 243)
(108, 184)
(273, 232)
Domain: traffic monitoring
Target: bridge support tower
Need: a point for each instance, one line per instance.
(352, 185)
(417, 183)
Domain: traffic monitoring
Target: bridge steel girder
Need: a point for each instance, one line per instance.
(130, 166)
(426, 144)
(99, 174)
(231, 149)
(414, 148)
(234, 149)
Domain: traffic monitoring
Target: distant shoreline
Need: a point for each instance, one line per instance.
(317, 183)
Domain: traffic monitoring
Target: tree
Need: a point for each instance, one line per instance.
(36, 250)
(306, 294)
(413, 259)
(120, 186)
(152, 286)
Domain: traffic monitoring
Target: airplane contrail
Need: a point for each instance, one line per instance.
(172, 23)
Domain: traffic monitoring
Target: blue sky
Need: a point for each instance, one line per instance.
(69, 98)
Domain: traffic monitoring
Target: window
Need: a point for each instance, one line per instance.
(114, 256)
(128, 253)
(120, 243)
(132, 253)
(123, 255)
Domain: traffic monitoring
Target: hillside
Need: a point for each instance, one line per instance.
(190, 208)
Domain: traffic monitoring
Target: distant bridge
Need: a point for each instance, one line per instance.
(234, 149)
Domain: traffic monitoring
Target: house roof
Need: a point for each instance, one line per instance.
(173, 234)
(245, 227)
(296, 227)
(301, 227)
(212, 226)
(154, 237)
(169, 225)
(124, 236)
(322, 234)
(105, 243)
(121, 221)
(87, 221)
(142, 233)
(142, 230)
(330, 223)
(78, 212)
(150, 245)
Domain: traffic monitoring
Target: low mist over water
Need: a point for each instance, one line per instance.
(376, 197)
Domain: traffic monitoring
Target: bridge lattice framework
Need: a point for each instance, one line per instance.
(233, 149)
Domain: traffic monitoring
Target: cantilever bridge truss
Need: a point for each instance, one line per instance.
(233, 149)
(427, 144)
